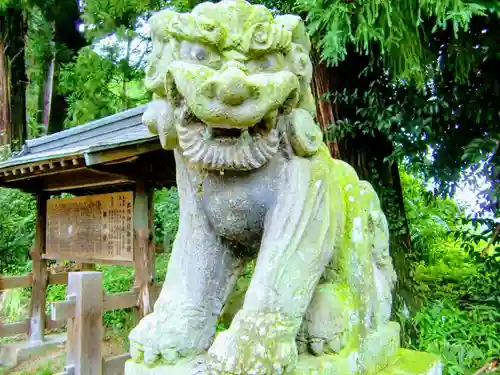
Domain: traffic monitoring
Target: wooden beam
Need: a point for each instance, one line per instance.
(63, 310)
(54, 324)
(39, 271)
(121, 300)
(66, 182)
(115, 365)
(12, 282)
(93, 261)
(23, 326)
(58, 278)
(43, 172)
(85, 328)
(122, 153)
(12, 329)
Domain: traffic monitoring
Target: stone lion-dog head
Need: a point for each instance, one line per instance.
(224, 78)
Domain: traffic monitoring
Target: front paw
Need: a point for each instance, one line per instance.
(258, 344)
(168, 337)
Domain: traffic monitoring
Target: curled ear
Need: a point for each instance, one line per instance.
(305, 136)
(299, 59)
(296, 26)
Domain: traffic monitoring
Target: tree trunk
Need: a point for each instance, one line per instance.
(324, 107)
(366, 154)
(13, 76)
(4, 93)
(47, 94)
(67, 35)
(46, 88)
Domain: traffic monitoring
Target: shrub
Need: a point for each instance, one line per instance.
(465, 337)
(17, 230)
(166, 219)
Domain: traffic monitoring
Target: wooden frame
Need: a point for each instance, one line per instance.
(83, 309)
(117, 153)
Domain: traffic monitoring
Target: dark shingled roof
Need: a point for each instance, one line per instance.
(123, 129)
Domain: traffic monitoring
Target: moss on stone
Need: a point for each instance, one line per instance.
(410, 362)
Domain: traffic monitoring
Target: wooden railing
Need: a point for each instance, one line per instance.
(23, 326)
(85, 303)
(81, 312)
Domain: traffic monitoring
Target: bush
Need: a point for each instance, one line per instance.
(465, 337)
(166, 219)
(17, 230)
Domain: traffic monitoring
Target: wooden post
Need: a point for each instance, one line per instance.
(144, 249)
(85, 328)
(40, 274)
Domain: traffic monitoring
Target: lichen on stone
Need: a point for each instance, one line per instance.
(232, 98)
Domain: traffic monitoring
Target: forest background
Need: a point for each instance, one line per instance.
(408, 93)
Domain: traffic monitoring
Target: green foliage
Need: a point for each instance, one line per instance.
(460, 318)
(39, 49)
(465, 337)
(82, 81)
(117, 279)
(17, 227)
(166, 219)
(107, 16)
(394, 30)
(15, 305)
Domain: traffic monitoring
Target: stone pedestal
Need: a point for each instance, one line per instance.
(406, 362)
(380, 354)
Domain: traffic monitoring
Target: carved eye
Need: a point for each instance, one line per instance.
(269, 63)
(200, 53)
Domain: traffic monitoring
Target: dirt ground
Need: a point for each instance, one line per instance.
(53, 361)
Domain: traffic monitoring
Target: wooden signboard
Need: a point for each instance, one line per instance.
(91, 228)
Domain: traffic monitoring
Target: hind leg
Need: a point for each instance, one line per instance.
(326, 326)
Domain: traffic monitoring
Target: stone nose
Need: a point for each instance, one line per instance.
(231, 87)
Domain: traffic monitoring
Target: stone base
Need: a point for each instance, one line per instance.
(380, 355)
(183, 367)
(406, 362)
(13, 353)
(377, 352)
(411, 362)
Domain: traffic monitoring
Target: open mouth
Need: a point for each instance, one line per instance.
(220, 147)
(222, 132)
(262, 128)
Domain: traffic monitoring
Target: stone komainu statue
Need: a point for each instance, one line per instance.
(232, 98)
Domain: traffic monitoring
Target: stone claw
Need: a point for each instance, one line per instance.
(326, 324)
(317, 346)
(136, 352)
(239, 351)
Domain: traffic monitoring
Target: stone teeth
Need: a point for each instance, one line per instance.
(245, 135)
(209, 133)
(270, 120)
